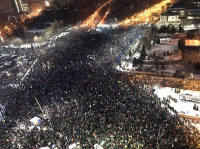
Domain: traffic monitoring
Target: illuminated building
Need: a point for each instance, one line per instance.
(40, 30)
(181, 14)
(25, 6)
(17, 6)
(44, 30)
(169, 17)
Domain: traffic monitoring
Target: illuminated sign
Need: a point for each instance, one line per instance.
(193, 43)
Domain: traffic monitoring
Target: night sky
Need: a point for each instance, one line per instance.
(7, 2)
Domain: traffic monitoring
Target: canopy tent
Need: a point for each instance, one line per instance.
(71, 146)
(44, 147)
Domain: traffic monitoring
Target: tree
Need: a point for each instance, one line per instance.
(162, 29)
(167, 53)
(168, 29)
(190, 34)
(158, 40)
(154, 53)
(181, 43)
(130, 53)
(194, 108)
(143, 53)
(181, 29)
(173, 30)
(134, 61)
(139, 61)
(154, 43)
(164, 54)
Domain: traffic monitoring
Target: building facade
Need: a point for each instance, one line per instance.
(189, 14)
(44, 30)
(169, 18)
(40, 30)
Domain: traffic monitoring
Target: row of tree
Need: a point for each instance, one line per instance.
(156, 41)
(196, 107)
(170, 29)
(143, 55)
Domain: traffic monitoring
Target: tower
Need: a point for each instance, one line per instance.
(17, 6)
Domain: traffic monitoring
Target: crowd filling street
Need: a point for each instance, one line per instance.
(86, 102)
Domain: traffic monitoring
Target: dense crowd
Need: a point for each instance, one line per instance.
(89, 103)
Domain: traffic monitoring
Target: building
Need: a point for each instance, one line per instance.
(17, 6)
(169, 17)
(44, 30)
(187, 14)
(40, 30)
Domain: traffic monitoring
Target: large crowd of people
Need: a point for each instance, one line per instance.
(88, 102)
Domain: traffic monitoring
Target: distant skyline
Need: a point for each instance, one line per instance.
(7, 2)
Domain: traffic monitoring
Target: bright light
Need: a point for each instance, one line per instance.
(147, 14)
(102, 20)
(47, 4)
(8, 74)
(1, 39)
(90, 21)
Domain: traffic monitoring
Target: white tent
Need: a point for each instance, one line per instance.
(71, 146)
(97, 146)
(35, 122)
